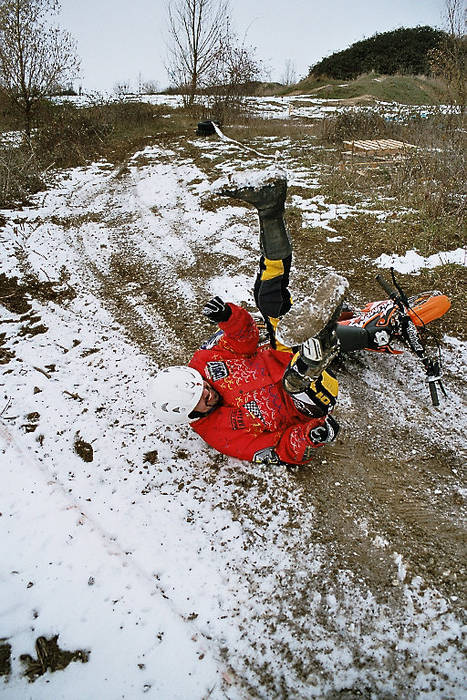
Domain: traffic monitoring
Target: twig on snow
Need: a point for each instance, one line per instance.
(42, 371)
(8, 404)
(73, 395)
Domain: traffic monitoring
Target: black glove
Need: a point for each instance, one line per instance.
(326, 432)
(217, 311)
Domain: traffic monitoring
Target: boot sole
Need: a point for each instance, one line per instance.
(308, 318)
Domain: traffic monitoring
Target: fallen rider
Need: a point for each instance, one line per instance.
(267, 402)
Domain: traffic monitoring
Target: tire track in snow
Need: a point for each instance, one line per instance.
(149, 271)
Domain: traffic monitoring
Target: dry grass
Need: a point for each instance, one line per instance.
(20, 175)
(68, 136)
(429, 181)
(366, 124)
(278, 128)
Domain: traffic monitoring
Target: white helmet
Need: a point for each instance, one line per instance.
(174, 393)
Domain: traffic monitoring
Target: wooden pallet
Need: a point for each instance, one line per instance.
(379, 147)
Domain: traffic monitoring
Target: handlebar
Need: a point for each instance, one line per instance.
(386, 286)
(433, 392)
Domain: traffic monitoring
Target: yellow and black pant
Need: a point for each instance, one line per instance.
(272, 297)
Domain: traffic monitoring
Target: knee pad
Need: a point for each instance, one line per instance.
(319, 398)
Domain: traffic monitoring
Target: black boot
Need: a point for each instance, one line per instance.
(269, 199)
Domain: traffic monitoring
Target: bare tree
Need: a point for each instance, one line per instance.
(448, 59)
(232, 72)
(35, 56)
(150, 87)
(196, 28)
(122, 87)
(289, 77)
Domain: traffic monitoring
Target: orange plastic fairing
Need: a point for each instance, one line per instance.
(434, 307)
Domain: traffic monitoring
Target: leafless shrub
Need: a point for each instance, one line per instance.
(122, 87)
(69, 136)
(232, 71)
(289, 76)
(448, 59)
(432, 178)
(351, 124)
(150, 87)
(20, 175)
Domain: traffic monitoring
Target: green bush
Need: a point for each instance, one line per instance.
(403, 50)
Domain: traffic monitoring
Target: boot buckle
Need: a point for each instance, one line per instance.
(311, 350)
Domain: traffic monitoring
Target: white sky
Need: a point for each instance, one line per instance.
(120, 39)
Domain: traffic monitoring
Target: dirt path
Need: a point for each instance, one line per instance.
(382, 509)
(385, 504)
(346, 579)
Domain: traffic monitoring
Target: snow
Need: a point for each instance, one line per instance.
(249, 178)
(414, 262)
(69, 576)
(286, 107)
(148, 557)
(11, 138)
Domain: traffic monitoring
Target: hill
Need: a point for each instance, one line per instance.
(407, 89)
(398, 51)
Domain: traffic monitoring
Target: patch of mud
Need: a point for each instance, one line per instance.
(150, 289)
(15, 295)
(31, 326)
(141, 293)
(83, 449)
(5, 658)
(32, 422)
(376, 506)
(214, 203)
(331, 553)
(6, 354)
(75, 221)
(50, 658)
(151, 457)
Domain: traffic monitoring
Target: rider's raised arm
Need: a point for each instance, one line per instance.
(240, 331)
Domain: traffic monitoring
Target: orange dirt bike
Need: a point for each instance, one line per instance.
(399, 317)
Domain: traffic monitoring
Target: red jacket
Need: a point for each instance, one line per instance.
(255, 413)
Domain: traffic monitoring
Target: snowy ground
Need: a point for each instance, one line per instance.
(302, 107)
(185, 574)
